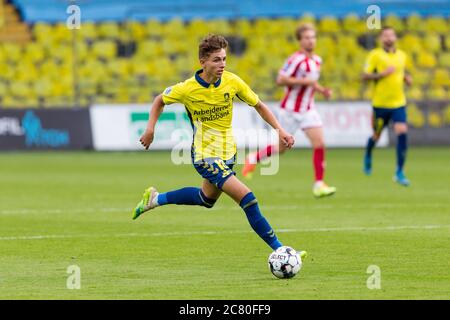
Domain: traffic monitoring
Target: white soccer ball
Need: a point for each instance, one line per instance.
(285, 262)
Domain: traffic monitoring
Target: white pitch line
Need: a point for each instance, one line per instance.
(234, 208)
(169, 234)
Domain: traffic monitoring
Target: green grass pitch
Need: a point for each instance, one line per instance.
(74, 208)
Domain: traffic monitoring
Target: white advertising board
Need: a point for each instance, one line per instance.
(118, 127)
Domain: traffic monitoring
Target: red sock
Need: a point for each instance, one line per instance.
(319, 163)
(265, 153)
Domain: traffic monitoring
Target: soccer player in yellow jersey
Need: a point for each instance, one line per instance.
(208, 98)
(386, 67)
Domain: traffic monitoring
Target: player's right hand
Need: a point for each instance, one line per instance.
(287, 139)
(147, 138)
(388, 71)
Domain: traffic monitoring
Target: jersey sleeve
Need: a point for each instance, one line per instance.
(245, 93)
(288, 69)
(174, 94)
(370, 65)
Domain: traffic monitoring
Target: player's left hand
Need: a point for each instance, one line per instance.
(147, 138)
(287, 139)
(327, 92)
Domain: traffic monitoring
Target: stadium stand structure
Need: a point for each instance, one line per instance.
(127, 52)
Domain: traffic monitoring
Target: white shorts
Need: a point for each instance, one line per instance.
(292, 121)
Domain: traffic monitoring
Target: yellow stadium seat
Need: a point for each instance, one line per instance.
(394, 22)
(136, 30)
(447, 114)
(104, 49)
(437, 24)
(108, 30)
(153, 28)
(41, 30)
(173, 27)
(61, 34)
(415, 116)
(307, 18)
(3, 90)
(432, 42)
(350, 91)
(353, 24)
(34, 52)
(411, 43)
(414, 22)
(43, 88)
(13, 52)
(26, 72)
(426, 60)
(436, 93)
(444, 59)
(20, 89)
(329, 24)
(415, 93)
(242, 27)
(88, 31)
(421, 77)
(441, 77)
(119, 68)
(447, 42)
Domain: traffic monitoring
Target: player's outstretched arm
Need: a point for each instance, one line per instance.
(269, 117)
(293, 81)
(375, 76)
(157, 109)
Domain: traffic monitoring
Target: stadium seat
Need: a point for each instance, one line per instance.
(432, 42)
(329, 24)
(444, 59)
(108, 30)
(426, 60)
(441, 77)
(104, 49)
(13, 52)
(414, 93)
(414, 22)
(437, 24)
(353, 24)
(394, 22)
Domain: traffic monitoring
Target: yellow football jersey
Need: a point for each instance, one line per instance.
(210, 110)
(388, 92)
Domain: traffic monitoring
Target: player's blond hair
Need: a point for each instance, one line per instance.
(302, 28)
(210, 44)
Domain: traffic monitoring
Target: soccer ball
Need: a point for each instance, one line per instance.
(285, 262)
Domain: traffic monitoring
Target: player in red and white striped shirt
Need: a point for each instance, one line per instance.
(300, 77)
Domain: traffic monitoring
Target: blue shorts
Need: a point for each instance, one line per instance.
(382, 117)
(215, 170)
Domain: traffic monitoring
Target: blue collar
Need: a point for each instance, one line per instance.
(203, 82)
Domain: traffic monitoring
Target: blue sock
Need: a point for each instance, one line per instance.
(187, 196)
(402, 147)
(258, 222)
(370, 145)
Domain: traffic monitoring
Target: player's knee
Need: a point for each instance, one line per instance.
(376, 137)
(318, 144)
(400, 129)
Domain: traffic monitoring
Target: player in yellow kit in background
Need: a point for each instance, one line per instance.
(208, 99)
(386, 67)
